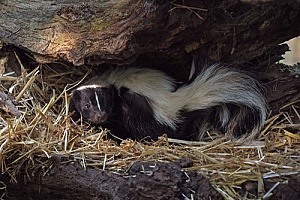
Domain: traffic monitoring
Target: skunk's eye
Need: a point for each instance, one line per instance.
(88, 105)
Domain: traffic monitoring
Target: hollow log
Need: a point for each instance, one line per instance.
(161, 34)
(144, 180)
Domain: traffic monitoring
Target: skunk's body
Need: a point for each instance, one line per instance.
(141, 103)
(140, 100)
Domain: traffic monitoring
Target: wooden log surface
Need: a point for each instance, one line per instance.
(144, 180)
(155, 33)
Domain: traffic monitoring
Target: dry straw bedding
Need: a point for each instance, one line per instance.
(41, 126)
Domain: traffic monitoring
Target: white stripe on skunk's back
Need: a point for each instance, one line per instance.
(215, 86)
(155, 85)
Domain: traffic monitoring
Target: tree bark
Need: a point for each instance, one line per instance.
(144, 180)
(163, 34)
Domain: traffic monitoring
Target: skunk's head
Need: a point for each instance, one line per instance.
(94, 102)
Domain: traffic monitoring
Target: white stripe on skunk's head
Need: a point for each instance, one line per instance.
(104, 85)
(94, 102)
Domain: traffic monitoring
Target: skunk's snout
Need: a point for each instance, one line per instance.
(98, 117)
(101, 116)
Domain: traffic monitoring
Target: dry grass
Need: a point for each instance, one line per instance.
(44, 128)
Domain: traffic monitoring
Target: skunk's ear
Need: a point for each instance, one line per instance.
(76, 95)
(75, 100)
(75, 105)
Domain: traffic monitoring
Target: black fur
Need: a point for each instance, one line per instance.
(126, 114)
(138, 117)
(241, 121)
(131, 114)
(83, 103)
(195, 121)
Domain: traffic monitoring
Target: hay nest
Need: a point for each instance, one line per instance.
(35, 124)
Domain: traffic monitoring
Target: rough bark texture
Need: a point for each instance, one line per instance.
(144, 181)
(164, 34)
(68, 180)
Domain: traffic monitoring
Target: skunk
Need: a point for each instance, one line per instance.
(132, 102)
(140, 102)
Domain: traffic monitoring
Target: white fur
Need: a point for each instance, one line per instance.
(214, 86)
(91, 86)
(98, 103)
(193, 69)
(218, 86)
(155, 85)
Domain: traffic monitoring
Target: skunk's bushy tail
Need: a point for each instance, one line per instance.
(238, 106)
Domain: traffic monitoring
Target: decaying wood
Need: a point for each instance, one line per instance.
(7, 105)
(164, 34)
(144, 181)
